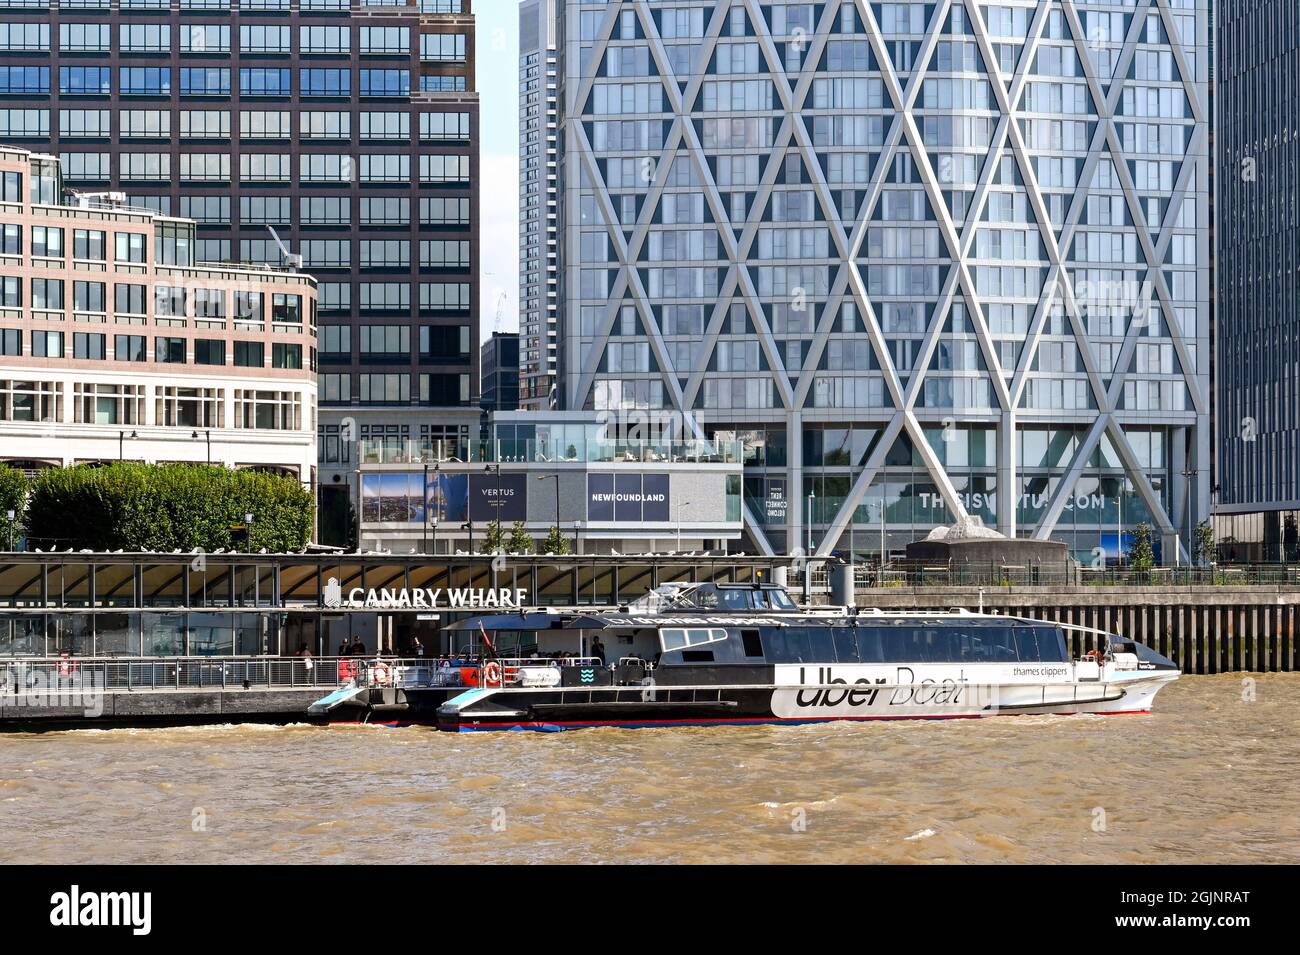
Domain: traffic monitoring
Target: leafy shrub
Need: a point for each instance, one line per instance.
(164, 507)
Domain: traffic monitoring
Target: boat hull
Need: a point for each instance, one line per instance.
(558, 709)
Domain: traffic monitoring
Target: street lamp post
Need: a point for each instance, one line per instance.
(812, 496)
(10, 517)
(121, 443)
(434, 525)
(208, 436)
(1119, 526)
(807, 562)
(881, 506)
(248, 530)
(680, 505)
(425, 512)
(549, 477)
(495, 468)
(469, 526)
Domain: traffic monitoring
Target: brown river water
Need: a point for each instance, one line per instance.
(1210, 776)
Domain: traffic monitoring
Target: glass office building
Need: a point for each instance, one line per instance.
(347, 126)
(538, 212)
(1258, 341)
(926, 259)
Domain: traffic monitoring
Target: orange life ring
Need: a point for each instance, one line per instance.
(492, 673)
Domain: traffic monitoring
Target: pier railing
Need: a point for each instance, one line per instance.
(904, 574)
(19, 675)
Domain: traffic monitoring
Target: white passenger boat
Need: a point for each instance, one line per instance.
(716, 654)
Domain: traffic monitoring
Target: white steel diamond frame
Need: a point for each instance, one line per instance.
(904, 135)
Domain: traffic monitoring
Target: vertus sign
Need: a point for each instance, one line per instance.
(421, 598)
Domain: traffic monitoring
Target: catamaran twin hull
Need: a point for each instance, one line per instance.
(812, 693)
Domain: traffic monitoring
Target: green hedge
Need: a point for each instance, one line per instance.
(13, 497)
(166, 507)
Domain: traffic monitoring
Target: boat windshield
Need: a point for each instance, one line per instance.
(742, 598)
(663, 597)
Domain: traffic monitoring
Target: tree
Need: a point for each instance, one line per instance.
(1206, 546)
(165, 507)
(520, 541)
(1140, 554)
(13, 497)
(556, 543)
(493, 539)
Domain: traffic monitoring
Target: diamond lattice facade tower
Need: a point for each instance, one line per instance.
(934, 259)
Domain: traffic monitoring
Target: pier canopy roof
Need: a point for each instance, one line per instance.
(42, 582)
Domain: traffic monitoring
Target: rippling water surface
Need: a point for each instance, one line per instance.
(1209, 777)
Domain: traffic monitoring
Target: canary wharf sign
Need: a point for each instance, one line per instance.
(421, 598)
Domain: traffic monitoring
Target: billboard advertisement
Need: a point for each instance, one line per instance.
(498, 497)
(629, 497)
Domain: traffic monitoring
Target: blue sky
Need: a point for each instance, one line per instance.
(498, 84)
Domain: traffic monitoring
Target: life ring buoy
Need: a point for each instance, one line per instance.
(492, 673)
(1096, 656)
(381, 673)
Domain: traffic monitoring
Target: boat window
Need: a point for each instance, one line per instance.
(733, 599)
(988, 645)
(821, 644)
(758, 600)
(697, 656)
(781, 600)
(846, 645)
(1051, 645)
(870, 648)
(753, 645)
(1043, 644)
(674, 638)
(787, 645)
(944, 645)
(896, 644)
(1147, 655)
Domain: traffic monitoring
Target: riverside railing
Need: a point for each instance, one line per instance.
(23, 674)
(907, 574)
(18, 674)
